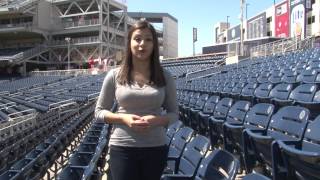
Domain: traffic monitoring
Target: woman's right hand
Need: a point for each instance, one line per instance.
(135, 122)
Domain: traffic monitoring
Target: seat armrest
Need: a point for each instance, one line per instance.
(233, 126)
(257, 134)
(285, 145)
(175, 177)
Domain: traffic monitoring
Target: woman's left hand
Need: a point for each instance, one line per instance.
(154, 120)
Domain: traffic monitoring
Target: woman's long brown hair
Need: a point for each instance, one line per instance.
(156, 71)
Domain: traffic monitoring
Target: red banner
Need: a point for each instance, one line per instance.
(282, 20)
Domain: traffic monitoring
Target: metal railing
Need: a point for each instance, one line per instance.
(26, 120)
(92, 97)
(24, 24)
(206, 72)
(71, 72)
(26, 54)
(80, 23)
(59, 105)
(76, 40)
(281, 46)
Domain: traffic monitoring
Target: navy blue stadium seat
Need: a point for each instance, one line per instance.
(217, 119)
(262, 93)
(220, 87)
(178, 143)
(290, 77)
(184, 102)
(236, 91)
(218, 165)
(309, 76)
(226, 91)
(257, 118)
(302, 157)
(280, 94)
(187, 107)
(288, 123)
(172, 129)
(263, 77)
(255, 176)
(194, 111)
(306, 95)
(300, 66)
(191, 157)
(248, 92)
(203, 116)
(275, 77)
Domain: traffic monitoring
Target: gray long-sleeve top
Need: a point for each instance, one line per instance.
(133, 99)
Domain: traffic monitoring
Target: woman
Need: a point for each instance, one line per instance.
(142, 90)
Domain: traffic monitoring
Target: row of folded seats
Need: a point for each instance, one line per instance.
(274, 133)
(17, 140)
(28, 155)
(283, 94)
(89, 155)
(191, 156)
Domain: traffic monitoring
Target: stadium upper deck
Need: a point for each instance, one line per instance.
(52, 32)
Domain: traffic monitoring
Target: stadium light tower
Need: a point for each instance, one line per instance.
(241, 27)
(228, 22)
(68, 39)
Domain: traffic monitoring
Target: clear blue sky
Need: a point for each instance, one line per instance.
(202, 14)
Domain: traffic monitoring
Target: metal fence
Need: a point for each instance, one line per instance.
(282, 46)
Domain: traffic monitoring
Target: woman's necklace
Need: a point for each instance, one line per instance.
(140, 79)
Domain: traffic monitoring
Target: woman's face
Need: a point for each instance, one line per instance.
(141, 44)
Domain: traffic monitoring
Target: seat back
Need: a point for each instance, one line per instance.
(172, 129)
(222, 108)
(263, 77)
(303, 161)
(210, 104)
(178, 143)
(281, 91)
(288, 123)
(180, 139)
(218, 165)
(275, 77)
(307, 76)
(306, 160)
(238, 112)
(248, 90)
(303, 93)
(253, 77)
(201, 101)
(311, 139)
(220, 87)
(289, 77)
(228, 88)
(259, 116)
(182, 95)
(238, 88)
(300, 66)
(213, 86)
(187, 98)
(192, 155)
(194, 99)
(263, 90)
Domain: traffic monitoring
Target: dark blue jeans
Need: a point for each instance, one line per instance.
(134, 163)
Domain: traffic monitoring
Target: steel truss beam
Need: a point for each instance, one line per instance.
(111, 40)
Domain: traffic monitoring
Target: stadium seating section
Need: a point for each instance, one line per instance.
(259, 118)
